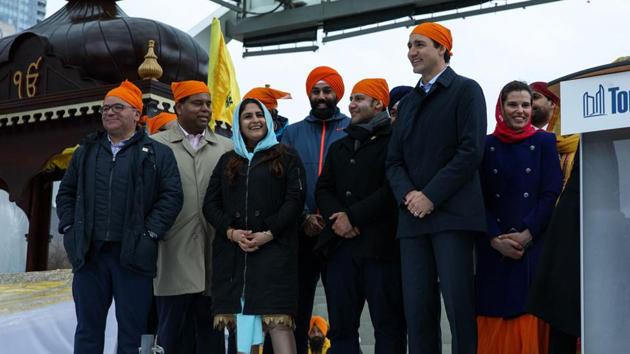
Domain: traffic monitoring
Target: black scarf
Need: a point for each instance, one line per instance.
(364, 131)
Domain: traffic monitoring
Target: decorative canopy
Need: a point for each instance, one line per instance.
(98, 38)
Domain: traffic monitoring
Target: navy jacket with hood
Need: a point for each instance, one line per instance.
(311, 138)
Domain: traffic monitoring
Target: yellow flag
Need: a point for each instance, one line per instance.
(221, 77)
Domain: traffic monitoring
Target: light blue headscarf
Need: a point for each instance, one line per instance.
(239, 143)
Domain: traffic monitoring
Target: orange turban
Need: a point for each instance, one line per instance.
(184, 89)
(155, 123)
(321, 323)
(330, 75)
(436, 32)
(375, 88)
(129, 93)
(268, 96)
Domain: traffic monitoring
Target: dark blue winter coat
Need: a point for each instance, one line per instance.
(520, 183)
(436, 147)
(153, 200)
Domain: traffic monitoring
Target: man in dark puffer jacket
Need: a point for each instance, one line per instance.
(120, 194)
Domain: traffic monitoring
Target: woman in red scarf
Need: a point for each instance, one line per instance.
(521, 180)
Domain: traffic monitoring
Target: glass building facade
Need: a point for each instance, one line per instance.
(21, 14)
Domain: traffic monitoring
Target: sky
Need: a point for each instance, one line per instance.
(538, 43)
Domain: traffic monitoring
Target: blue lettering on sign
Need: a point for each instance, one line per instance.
(613, 97)
(593, 105)
(618, 100)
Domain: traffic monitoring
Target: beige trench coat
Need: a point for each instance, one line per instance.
(184, 264)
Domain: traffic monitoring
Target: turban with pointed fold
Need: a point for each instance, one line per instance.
(268, 96)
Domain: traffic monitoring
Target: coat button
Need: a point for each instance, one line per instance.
(348, 194)
(532, 147)
(257, 213)
(528, 170)
(499, 220)
(495, 171)
(237, 214)
(497, 195)
(525, 195)
(353, 161)
(492, 148)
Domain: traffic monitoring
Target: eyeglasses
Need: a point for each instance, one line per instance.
(116, 108)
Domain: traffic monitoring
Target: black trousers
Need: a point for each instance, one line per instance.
(449, 256)
(349, 283)
(185, 325)
(561, 342)
(100, 280)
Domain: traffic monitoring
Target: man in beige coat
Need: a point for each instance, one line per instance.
(184, 265)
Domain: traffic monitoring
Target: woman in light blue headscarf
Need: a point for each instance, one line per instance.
(254, 200)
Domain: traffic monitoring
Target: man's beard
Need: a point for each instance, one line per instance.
(540, 117)
(316, 344)
(323, 113)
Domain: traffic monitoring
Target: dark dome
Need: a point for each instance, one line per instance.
(97, 36)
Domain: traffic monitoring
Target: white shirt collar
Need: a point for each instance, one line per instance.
(426, 87)
(186, 134)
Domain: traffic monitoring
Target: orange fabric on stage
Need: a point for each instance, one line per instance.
(526, 334)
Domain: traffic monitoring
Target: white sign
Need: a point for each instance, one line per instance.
(595, 103)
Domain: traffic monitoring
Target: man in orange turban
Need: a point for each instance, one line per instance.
(181, 286)
(317, 341)
(119, 196)
(269, 97)
(369, 96)
(432, 166)
(359, 242)
(129, 93)
(121, 110)
(311, 138)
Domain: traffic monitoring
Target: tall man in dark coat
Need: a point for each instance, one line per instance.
(362, 257)
(119, 196)
(432, 163)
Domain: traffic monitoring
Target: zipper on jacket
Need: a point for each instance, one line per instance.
(109, 196)
(321, 149)
(246, 226)
(299, 178)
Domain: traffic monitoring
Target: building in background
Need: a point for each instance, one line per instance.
(19, 15)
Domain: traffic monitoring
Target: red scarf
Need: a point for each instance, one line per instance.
(506, 134)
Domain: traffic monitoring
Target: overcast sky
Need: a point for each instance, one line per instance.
(542, 42)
